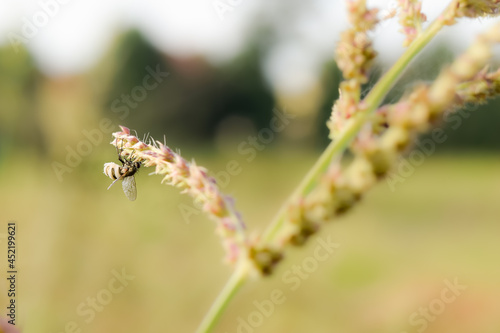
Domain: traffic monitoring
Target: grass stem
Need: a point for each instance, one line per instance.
(235, 282)
(336, 147)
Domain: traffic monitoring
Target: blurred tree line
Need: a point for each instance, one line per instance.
(195, 97)
(190, 103)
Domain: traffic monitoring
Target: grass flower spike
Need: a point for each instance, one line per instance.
(376, 139)
(193, 180)
(411, 19)
(355, 56)
(477, 8)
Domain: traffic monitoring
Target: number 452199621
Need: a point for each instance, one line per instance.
(11, 245)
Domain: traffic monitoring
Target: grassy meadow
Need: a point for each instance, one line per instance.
(395, 251)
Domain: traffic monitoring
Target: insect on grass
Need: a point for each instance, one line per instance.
(125, 173)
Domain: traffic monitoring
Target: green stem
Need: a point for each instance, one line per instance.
(353, 126)
(371, 102)
(234, 283)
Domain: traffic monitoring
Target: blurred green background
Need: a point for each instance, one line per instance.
(396, 250)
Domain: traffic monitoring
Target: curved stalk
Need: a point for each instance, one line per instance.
(372, 101)
(234, 283)
(334, 149)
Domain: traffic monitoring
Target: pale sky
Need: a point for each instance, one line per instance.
(70, 36)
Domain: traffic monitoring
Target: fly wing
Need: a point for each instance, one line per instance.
(129, 188)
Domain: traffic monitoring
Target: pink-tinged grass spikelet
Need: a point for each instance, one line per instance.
(193, 180)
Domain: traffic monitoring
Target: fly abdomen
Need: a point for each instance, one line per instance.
(112, 170)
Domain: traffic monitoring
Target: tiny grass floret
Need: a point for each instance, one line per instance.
(411, 19)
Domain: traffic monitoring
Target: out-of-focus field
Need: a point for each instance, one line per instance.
(396, 249)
